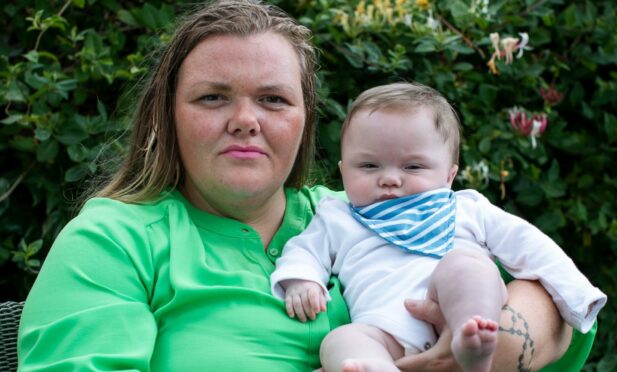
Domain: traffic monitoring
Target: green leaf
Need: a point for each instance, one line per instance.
(12, 119)
(77, 152)
(14, 93)
(34, 247)
(76, 173)
(488, 93)
(461, 48)
(554, 190)
(47, 151)
(42, 134)
(32, 56)
(610, 127)
(458, 9)
(79, 3)
(585, 181)
(553, 172)
(425, 47)
(22, 143)
(463, 66)
(127, 17)
(485, 145)
(550, 221)
(71, 133)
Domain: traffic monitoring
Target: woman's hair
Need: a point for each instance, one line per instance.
(410, 96)
(153, 163)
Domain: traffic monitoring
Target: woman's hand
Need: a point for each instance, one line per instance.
(439, 357)
(531, 335)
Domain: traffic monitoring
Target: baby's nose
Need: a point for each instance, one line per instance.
(390, 179)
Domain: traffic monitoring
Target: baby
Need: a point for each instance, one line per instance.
(406, 234)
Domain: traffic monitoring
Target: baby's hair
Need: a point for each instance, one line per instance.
(410, 96)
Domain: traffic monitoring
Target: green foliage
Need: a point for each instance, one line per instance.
(63, 65)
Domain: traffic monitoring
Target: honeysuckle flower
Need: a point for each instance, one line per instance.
(479, 7)
(342, 18)
(494, 36)
(509, 45)
(408, 20)
(503, 174)
(551, 95)
(430, 21)
(531, 127)
(521, 46)
(475, 176)
(492, 67)
(538, 126)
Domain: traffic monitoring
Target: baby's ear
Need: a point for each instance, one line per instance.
(452, 174)
(340, 163)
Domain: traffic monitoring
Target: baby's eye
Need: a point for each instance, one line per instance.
(413, 167)
(368, 166)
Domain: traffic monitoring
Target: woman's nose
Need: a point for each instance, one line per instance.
(389, 179)
(244, 119)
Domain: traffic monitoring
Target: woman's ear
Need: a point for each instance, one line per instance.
(452, 174)
(340, 164)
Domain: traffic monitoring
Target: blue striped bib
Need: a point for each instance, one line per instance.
(421, 223)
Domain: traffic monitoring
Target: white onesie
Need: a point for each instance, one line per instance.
(377, 277)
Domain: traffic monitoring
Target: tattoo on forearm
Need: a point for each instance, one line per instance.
(520, 328)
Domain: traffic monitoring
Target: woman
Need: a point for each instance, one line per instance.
(167, 267)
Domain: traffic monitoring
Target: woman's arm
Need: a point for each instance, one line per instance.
(89, 307)
(531, 336)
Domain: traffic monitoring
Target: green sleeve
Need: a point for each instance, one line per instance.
(91, 285)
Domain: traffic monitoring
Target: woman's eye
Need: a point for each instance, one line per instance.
(274, 99)
(211, 97)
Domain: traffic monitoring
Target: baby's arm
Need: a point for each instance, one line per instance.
(527, 253)
(303, 299)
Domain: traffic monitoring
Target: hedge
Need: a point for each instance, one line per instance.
(534, 82)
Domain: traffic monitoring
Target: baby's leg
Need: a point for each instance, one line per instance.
(359, 348)
(470, 293)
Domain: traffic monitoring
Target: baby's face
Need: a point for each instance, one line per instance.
(392, 153)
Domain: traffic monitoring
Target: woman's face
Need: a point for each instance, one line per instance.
(239, 116)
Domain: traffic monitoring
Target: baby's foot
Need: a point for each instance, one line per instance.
(474, 343)
(368, 365)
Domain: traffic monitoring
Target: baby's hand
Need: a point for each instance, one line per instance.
(303, 299)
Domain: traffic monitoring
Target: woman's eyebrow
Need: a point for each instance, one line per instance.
(211, 85)
(276, 88)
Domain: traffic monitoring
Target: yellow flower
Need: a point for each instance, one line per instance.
(422, 4)
(360, 9)
(400, 9)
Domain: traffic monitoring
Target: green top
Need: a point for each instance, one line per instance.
(165, 286)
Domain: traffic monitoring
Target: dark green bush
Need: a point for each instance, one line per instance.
(66, 66)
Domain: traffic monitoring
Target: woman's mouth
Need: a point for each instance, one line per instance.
(244, 152)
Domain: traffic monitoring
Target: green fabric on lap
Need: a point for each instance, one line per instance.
(575, 357)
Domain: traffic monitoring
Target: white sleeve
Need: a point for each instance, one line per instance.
(527, 253)
(307, 256)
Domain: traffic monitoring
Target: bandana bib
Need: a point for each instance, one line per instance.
(421, 223)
